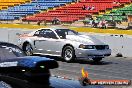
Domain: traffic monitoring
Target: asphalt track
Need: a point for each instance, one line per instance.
(110, 68)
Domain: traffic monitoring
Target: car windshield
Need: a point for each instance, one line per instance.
(63, 32)
(8, 51)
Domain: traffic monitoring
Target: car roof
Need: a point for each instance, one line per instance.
(53, 28)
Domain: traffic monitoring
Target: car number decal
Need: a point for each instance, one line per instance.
(8, 64)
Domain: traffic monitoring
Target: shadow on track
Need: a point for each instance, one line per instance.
(91, 62)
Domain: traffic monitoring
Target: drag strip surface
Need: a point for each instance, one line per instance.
(109, 68)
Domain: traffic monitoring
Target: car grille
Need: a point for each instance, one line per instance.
(100, 47)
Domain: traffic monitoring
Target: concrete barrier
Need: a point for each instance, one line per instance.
(4, 35)
(11, 35)
(120, 44)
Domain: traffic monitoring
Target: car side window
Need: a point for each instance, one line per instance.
(61, 34)
(47, 33)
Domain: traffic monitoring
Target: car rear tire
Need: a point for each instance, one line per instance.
(28, 49)
(68, 54)
(97, 59)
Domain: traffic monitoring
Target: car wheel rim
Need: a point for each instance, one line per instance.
(28, 50)
(68, 54)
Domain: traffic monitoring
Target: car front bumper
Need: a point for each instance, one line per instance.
(92, 53)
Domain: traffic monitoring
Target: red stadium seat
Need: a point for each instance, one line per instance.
(73, 12)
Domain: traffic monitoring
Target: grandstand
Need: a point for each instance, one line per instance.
(118, 15)
(65, 10)
(24, 8)
(74, 12)
(4, 4)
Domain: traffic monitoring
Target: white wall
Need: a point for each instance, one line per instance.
(4, 35)
(11, 35)
(118, 43)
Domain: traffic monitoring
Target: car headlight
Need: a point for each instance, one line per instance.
(82, 46)
(89, 47)
(86, 46)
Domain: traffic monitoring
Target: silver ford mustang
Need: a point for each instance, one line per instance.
(65, 43)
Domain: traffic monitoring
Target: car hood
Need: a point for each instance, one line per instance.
(85, 39)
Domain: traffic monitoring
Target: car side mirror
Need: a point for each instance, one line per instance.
(61, 37)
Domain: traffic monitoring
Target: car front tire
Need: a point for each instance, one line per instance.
(68, 54)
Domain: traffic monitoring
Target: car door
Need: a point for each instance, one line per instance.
(38, 41)
(53, 43)
(54, 46)
(48, 43)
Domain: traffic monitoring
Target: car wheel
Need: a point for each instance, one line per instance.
(97, 59)
(28, 49)
(68, 54)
